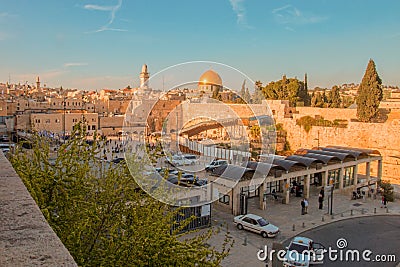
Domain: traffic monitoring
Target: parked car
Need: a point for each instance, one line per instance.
(161, 171)
(179, 160)
(191, 157)
(118, 160)
(188, 178)
(200, 182)
(215, 164)
(257, 224)
(302, 251)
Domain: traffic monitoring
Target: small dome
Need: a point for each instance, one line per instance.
(210, 77)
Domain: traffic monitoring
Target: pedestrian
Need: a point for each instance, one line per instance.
(303, 206)
(320, 200)
(384, 201)
(322, 192)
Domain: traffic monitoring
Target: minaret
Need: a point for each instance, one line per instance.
(305, 82)
(38, 84)
(144, 76)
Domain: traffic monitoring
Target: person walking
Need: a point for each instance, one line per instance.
(303, 207)
(384, 201)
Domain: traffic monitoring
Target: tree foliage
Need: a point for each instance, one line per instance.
(387, 189)
(334, 99)
(287, 89)
(100, 213)
(369, 94)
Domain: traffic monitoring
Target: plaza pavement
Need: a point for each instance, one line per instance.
(290, 221)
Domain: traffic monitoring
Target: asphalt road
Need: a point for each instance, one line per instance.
(379, 234)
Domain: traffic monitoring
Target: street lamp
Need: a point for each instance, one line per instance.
(61, 89)
(331, 181)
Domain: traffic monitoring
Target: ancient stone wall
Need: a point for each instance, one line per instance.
(26, 239)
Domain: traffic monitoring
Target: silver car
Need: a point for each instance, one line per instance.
(257, 224)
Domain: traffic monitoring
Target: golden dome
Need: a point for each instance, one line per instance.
(210, 77)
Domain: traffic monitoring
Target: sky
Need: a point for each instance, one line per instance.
(96, 44)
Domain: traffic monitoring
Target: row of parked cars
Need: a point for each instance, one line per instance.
(185, 178)
(302, 251)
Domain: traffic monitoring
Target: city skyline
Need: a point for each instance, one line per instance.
(102, 44)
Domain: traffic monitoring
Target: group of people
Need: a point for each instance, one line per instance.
(304, 206)
(304, 202)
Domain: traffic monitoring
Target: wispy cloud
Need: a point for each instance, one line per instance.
(240, 11)
(75, 64)
(290, 15)
(112, 10)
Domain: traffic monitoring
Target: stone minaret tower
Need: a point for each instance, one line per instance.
(38, 84)
(144, 76)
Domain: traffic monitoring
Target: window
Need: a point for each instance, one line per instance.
(224, 199)
(47, 121)
(88, 127)
(334, 175)
(93, 127)
(57, 121)
(74, 120)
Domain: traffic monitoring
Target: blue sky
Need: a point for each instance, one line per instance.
(94, 44)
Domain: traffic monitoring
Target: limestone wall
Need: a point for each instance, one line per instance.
(326, 113)
(26, 239)
(384, 137)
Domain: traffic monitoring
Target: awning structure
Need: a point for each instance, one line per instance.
(233, 172)
(341, 156)
(262, 167)
(288, 164)
(354, 149)
(307, 161)
(324, 158)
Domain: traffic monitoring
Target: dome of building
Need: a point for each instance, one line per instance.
(210, 77)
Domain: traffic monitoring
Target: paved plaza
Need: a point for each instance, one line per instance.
(291, 223)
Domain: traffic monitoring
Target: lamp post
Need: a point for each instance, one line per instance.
(64, 104)
(331, 181)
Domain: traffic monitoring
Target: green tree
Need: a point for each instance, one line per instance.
(257, 96)
(369, 94)
(247, 96)
(335, 100)
(317, 100)
(287, 89)
(101, 214)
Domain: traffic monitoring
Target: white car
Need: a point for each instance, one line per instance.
(302, 251)
(179, 160)
(257, 224)
(215, 164)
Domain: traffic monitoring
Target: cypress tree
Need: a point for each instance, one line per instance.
(369, 94)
